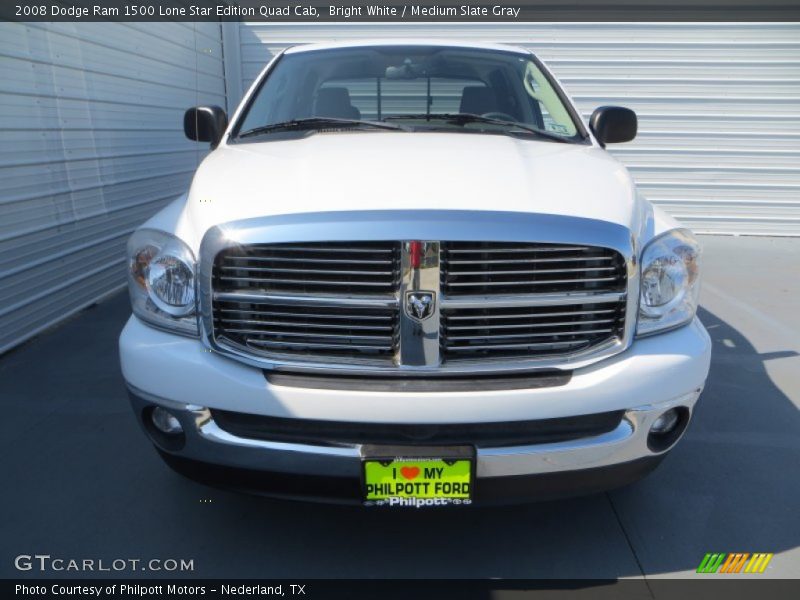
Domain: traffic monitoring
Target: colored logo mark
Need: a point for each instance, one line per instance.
(735, 562)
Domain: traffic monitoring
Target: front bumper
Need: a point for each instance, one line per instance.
(517, 473)
(655, 374)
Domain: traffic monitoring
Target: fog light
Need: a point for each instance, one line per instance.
(666, 422)
(165, 422)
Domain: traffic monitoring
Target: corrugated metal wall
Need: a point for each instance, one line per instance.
(719, 104)
(92, 144)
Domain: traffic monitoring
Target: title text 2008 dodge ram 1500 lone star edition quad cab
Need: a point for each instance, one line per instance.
(408, 275)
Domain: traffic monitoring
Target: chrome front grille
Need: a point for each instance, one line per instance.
(285, 300)
(280, 327)
(491, 270)
(525, 268)
(340, 268)
(345, 305)
(527, 331)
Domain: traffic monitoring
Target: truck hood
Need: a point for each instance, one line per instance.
(380, 170)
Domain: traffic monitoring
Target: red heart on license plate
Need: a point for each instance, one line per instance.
(409, 472)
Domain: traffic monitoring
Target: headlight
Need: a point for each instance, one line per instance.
(161, 280)
(670, 282)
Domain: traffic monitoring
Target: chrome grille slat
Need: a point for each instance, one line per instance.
(529, 300)
(283, 259)
(548, 345)
(542, 282)
(508, 336)
(528, 325)
(289, 345)
(317, 301)
(345, 248)
(303, 271)
(315, 335)
(305, 324)
(303, 315)
(305, 282)
(539, 248)
(538, 315)
(513, 261)
(535, 271)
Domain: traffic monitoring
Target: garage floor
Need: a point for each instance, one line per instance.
(80, 481)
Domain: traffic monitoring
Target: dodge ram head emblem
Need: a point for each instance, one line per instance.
(419, 305)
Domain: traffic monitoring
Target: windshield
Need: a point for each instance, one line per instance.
(416, 87)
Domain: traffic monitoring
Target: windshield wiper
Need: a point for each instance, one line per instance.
(316, 123)
(464, 118)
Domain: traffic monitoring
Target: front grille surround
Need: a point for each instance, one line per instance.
(380, 226)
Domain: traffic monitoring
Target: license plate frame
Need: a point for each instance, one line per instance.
(416, 457)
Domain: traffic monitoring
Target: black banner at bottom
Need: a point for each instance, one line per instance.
(314, 589)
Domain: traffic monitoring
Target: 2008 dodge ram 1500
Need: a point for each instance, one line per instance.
(408, 275)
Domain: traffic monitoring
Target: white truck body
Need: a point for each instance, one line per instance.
(353, 184)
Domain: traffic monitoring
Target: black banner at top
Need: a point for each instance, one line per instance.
(402, 10)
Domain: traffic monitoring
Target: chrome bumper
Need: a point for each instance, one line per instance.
(206, 442)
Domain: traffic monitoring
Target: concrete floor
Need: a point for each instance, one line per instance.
(82, 482)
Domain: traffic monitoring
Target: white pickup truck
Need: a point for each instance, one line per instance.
(407, 275)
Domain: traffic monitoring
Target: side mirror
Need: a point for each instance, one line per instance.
(613, 124)
(205, 124)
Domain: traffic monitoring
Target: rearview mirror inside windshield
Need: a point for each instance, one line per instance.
(408, 70)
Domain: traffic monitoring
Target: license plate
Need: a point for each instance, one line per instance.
(418, 481)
